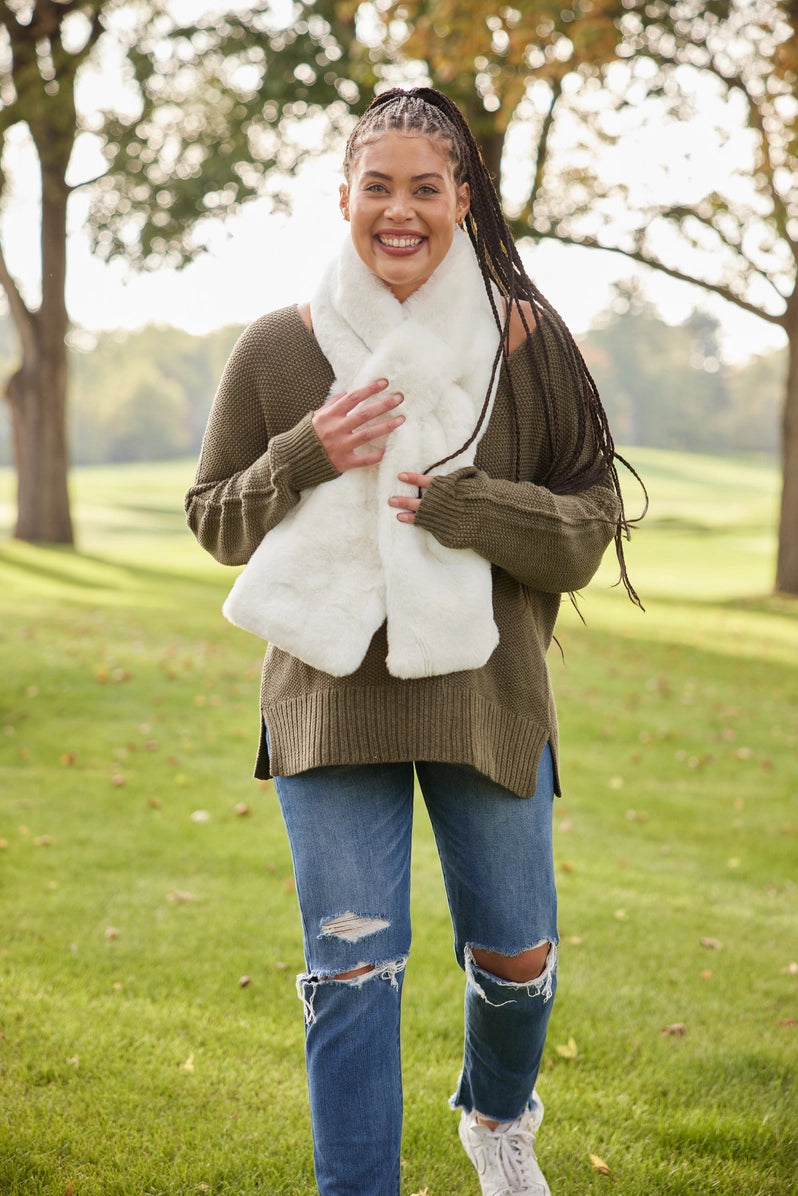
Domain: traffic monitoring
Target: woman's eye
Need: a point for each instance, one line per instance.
(427, 190)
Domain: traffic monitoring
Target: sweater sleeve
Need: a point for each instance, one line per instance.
(260, 449)
(549, 542)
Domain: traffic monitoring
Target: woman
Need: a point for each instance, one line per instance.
(409, 540)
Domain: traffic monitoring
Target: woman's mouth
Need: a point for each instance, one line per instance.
(398, 244)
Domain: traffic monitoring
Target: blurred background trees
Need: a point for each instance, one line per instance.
(566, 101)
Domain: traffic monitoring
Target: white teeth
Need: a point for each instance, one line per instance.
(400, 242)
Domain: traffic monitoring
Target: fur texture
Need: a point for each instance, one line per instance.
(326, 577)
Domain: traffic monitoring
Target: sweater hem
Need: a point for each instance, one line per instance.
(368, 726)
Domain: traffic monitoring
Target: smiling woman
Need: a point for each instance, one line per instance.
(415, 466)
(402, 204)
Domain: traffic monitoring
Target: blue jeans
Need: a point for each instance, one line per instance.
(350, 831)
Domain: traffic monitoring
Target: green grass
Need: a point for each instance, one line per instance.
(133, 1062)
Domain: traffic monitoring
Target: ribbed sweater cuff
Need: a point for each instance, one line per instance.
(298, 457)
(443, 511)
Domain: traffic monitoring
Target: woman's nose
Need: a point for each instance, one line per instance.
(399, 207)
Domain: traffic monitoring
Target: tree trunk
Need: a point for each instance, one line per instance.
(38, 407)
(38, 393)
(787, 560)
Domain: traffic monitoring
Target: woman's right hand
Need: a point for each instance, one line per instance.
(343, 429)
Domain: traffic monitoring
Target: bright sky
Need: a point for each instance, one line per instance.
(259, 261)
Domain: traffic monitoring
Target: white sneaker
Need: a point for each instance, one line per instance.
(504, 1157)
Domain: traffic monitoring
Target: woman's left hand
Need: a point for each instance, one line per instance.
(407, 504)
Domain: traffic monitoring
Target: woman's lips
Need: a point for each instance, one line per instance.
(399, 244)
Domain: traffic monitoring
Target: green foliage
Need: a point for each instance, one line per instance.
(218, 106)
(667, 386)
(145, 396)
(131, 1058)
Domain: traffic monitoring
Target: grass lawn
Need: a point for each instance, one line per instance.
(150, 1035)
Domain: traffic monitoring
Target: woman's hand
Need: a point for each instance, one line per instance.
(343, 430)
(407, 505)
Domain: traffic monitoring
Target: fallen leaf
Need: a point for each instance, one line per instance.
(241, 809)
(189, 1063)
(67, 758)
(43, 841)
(3, 843)
(69, 1190)
(569, 1050)
(712, 944)
(598, 1164)
(74, 1061)
(180, 896)
(787, 1021)
(422, 1192)
(111, 932)
(791, 969)
(675, 1028)
(200, 816)
(707, 974)
(621, 915)
(245, 982)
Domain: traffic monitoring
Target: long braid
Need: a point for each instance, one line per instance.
(424, 111)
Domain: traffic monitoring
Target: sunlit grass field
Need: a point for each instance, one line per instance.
(150, 1036)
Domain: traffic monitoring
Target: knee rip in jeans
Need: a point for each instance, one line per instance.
(352, 927)
(542, 985)
(307, 984)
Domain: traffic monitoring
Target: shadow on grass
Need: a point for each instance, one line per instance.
(784, 606)
(63, 565)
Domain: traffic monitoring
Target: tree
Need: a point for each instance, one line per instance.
(208, 111)
(737, 238)
(219, 107)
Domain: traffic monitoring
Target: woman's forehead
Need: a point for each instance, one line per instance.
(392, 152)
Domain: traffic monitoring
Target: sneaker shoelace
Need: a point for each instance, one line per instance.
(515, 1153)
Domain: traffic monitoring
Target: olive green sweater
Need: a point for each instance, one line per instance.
(260, 451)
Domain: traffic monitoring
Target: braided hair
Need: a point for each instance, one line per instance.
(424, 111)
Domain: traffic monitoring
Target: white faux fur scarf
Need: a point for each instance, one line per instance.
(326, 577)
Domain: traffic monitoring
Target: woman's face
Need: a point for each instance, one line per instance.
(402, 204)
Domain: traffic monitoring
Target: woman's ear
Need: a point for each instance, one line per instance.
(463, 202)
(343, 200)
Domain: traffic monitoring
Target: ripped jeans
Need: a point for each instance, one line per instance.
(350, 832)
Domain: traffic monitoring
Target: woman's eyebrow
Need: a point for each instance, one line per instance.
(377, 174)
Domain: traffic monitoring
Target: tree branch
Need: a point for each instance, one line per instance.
(638, 255)
(543, 143)
(679, 213)
(20, 313)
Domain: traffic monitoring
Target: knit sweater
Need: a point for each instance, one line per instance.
(260, 451)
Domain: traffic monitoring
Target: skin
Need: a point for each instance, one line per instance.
(403, 187)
